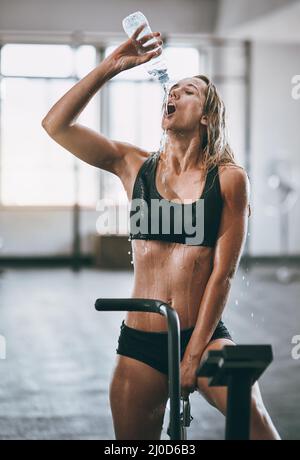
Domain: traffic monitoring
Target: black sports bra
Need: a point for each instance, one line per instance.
(153, 217)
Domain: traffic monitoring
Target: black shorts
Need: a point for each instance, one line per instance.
(152, 347)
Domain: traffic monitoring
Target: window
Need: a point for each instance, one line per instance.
(228, 70)
(37, 171)
(34, 169)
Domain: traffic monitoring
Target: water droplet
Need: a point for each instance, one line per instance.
(129, 252)
(247, 283)
(131, 262)
(236, 302)
(252, 315)
(243, 277)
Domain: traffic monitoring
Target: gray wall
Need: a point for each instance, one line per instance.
(188, 16)
(275, 132)
(44, 232)
(234, 14)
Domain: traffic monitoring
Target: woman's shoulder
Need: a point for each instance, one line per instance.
(234, 181)
(233, 172)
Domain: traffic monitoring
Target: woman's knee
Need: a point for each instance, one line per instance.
(257, 405)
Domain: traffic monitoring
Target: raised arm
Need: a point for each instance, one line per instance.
(86, 144)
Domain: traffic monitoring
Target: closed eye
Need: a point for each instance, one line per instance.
(189, 92)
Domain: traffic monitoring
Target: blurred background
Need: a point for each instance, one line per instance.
(56, 353)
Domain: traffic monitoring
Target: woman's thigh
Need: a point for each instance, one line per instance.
(138, 396)
(217, 396)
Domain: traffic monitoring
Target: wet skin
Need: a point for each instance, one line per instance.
(173, 272)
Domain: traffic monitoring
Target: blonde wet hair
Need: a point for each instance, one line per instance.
(215, 146)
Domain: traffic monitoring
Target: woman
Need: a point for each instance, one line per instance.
(195, 279)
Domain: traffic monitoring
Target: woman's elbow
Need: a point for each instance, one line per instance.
(45, 124)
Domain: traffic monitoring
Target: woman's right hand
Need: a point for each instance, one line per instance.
(132, 52)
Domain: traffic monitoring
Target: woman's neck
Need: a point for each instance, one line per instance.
(182, 153)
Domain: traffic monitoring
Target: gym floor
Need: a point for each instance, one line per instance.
(60, 351)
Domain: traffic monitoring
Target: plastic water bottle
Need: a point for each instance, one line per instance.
(156, 67)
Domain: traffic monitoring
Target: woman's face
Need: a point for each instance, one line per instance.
(186, 102)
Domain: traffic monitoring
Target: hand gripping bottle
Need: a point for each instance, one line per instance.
(156, 67)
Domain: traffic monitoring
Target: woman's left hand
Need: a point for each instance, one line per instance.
(188, 378)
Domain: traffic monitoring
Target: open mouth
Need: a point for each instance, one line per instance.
(170, 109)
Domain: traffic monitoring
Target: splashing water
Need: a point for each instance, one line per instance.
(161, 75)
(166, 89)
(166, 96)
